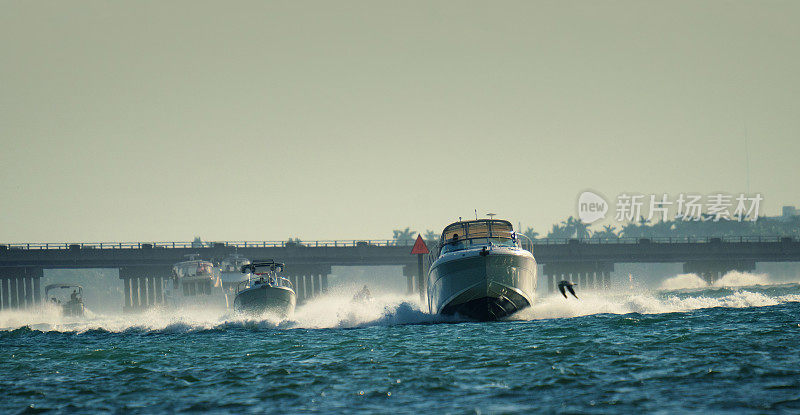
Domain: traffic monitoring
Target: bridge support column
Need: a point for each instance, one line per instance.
(143, 286)
(416, 282)
(309, 280)
(28, 291)
(151, 290)
(3, 293)
(583, 274)
(20, 287)
(712, 271)
(13, 292)
(126, 285)
(37, 292)
(159, 289)
(135, 305)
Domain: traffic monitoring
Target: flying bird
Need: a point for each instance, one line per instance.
(568, 286)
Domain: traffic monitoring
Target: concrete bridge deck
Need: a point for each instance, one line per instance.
(144, 265)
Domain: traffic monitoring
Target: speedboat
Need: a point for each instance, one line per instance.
(481, 272)
(230, 273)
(194, 285)
(265, 290)
(73, 306)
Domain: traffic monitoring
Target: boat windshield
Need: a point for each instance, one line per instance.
(463, 235)
(233, 264)
(266, 269)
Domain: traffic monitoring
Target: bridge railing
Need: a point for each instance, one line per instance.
(369, 242)
(236, 244)
(661, 239)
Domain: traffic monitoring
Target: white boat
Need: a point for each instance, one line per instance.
(71, 304)
(230, 272)
(194, 285)
(482, 272)
(265, 291)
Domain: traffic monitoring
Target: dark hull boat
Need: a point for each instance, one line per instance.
(265, 291)
(482, 272)
(265, 299)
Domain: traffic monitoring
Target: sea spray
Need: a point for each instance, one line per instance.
(730, 279)
(338, 309)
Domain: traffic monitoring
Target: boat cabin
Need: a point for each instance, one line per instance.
(233, 263)
(194, 277)
(480, 232)
(188, 269)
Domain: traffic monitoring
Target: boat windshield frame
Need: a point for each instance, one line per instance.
(272, 280)
(480, 232)
(60, 287)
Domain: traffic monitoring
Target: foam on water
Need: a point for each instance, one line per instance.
(337, 309)
(731, 279)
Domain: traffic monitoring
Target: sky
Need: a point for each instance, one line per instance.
(264, 120)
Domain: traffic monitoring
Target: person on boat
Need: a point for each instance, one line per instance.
(363, 296)
(74, 295)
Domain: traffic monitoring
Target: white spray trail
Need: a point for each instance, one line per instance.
(337, 309)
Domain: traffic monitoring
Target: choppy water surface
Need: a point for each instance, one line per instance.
(720, 349)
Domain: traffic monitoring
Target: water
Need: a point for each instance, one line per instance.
(689, 349)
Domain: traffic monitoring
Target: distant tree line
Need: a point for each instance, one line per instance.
(572, 227)
(643, 228)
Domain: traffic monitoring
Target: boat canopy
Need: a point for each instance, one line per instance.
(263, 267)
(51, 287)
(481, 228)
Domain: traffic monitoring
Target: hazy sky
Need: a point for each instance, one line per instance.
(320, 120)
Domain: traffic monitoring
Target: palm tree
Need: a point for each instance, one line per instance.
(608, 232)
(530, 233)
(430, 235)
(559, 231)
(403, 236)
(576, 228)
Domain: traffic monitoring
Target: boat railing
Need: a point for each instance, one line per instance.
(278, 282)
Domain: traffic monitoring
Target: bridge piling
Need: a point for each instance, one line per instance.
(20, 287)
(583, 274)
(128, 302)
(28, 291)
(151, 290)
(135, 306)
(4, 293)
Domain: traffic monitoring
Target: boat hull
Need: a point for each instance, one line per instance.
(482, 285)
(73, 308)
(278, 301)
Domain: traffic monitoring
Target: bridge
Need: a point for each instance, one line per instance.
(145, 266)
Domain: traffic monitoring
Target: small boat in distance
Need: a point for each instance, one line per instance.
(56, 294)
(482, 272)
(265, 290)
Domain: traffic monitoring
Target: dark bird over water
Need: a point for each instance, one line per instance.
(568, 285)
